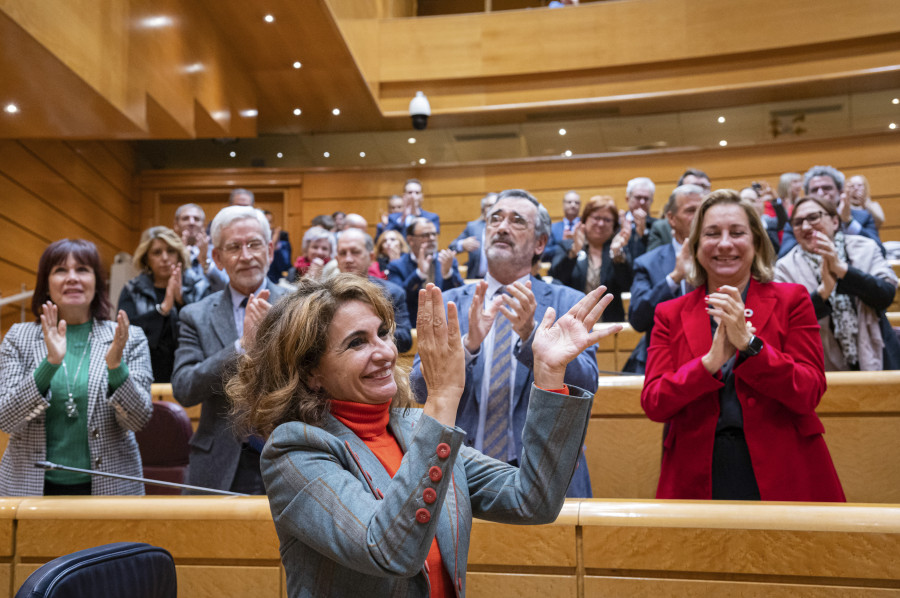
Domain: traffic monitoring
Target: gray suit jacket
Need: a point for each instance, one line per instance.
(111, 420)
(348, 529)
(203, 360)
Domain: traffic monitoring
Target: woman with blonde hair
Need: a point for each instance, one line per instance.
(735, 370)
(389, 247)
(861, 197)
(153, 298)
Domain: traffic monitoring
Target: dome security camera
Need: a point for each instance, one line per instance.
(419, 111)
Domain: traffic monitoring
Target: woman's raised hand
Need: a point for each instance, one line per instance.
(441, 352)
(54, 333)
(557, 343)
(120, 338)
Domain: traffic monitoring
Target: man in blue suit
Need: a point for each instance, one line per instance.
(565, 228)
(355, 253)
(828, 182)
(499, 316)
(423, 264)
(659, 274)
(471, 240)
(412, 209)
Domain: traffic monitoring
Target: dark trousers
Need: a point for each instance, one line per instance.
(732, 470)
(51, 489)
(247, 478)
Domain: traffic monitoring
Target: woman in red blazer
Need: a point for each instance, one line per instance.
(735, 368)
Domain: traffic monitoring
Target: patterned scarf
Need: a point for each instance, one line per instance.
(844, 319)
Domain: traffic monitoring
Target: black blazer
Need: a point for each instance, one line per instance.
(573, 273)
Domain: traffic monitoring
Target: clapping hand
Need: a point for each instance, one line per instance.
(556, 344)
(54, 333)
(441, 354)
(257, 308)
(480, 318)
(733, 333)
(173, 291)
(120, 338)
(824, 246)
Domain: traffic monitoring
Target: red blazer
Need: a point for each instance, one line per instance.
(778, 391)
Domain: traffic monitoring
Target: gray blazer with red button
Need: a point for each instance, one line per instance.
(347, 529)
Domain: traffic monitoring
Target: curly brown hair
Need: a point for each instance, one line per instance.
(270, 387)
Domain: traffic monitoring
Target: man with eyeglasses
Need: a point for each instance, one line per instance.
(827, 183)
(423, 264)
(213, 333)
(660, 231)
(499, 316)
(639, 195)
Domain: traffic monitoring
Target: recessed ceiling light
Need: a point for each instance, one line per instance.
(297, 112)
(895, 101)
(562, 131)
(721, 119)
(269, 19)
(249, 113)
(156, 22)
(11, 109)
(362, 154)
(567, 153)
(197, 67)
(327, 154)
(422, 160)
(411, 140)
(892, 126)
(297, 64)
(336, 111)
(723, 143)
(279, 155)
(232, 154)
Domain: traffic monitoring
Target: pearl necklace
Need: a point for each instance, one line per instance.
(71, 406)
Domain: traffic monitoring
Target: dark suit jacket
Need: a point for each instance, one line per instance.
(347, 528)
(475, 228)
(572, 272)
(205, 356)
(638, 246)
(396, 222)
(402, 272)
(403, 328)
(557, 229)
(660, 234)
(860, 215)
(648, 290)
(778, 389)
(581, 371)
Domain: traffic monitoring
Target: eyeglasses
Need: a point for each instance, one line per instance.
(516, 221)
(813, 219)
(425, 235)
(233, 249)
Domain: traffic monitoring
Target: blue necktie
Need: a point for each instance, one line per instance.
(496, 433)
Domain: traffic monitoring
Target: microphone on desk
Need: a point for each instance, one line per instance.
(47, 466)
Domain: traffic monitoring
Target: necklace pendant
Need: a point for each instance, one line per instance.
(71, 408)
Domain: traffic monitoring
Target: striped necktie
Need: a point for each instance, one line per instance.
(496, 433)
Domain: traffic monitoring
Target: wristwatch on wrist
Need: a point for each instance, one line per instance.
(754, 346)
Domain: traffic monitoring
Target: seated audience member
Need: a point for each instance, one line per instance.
(639, 195)
(762, 198)
(325, 221)
(851, 285)
(471, 240)
(499, 317)
(735, 370)
(373, 498)
(564, 229)
(213, 333)
(317, 247)
(790, 189)
(355, 253)
(423, 264)
(827, 182)
(353, 221)
(241, 197)
(660, 233)
(190, 225)
(860, 197)
(389, 247)
(597, 255)
(412, 209)
(339, 221)
(395, 206)
(153, 298)
(660, 274)
(67, 375)
(281, 261)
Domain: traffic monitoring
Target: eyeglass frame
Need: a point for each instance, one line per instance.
(812, 220)
(254, 246)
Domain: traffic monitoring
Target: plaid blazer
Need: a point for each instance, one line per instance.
(112, 417)
(348, 529)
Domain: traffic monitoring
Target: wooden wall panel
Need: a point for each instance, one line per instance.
(56, 189)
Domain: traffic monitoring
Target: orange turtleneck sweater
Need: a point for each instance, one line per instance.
(370, 424)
